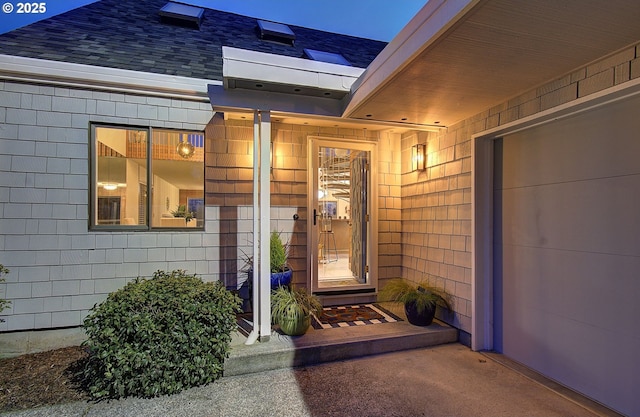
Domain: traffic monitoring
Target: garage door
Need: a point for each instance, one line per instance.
(567, 252)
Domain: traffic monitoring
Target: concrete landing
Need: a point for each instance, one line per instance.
(335, 344)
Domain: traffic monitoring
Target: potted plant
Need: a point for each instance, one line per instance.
(279, 254)
(291, 309)
(280, 273)
(181, 211)
(420, 299)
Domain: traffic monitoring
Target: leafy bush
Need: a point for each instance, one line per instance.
(3, 303)
(158, 336)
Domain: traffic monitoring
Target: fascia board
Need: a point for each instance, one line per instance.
(32, 69)
(425, 29)
(222, 99)
(260, 66)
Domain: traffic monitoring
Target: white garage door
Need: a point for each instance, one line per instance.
(567, 252)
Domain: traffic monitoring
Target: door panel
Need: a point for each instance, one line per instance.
(359, 180)
(340, 204)
(567, 247)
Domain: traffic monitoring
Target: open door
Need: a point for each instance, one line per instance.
(340, 207)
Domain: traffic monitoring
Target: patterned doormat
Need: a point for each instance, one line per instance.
(355, 315)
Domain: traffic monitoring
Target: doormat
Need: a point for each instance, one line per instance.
(355, 315)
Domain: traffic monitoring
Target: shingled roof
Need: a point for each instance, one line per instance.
(129, 34)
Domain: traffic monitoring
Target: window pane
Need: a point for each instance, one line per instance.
(121, 176)
(178, 178)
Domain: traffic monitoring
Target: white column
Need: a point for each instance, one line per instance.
(261, 225)
(265, 223)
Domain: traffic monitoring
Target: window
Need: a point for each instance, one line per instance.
(323, 56)
(277, 32)
(126, 162)
(182, 14)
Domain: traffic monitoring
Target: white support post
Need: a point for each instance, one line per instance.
(265, 223)
(255, 278)
(261, 225)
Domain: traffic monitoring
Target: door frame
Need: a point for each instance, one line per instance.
(312, 202)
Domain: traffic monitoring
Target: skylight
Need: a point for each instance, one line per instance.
(276, 32)
(182, 14)
(329, 57)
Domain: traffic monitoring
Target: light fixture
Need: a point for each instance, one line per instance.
(110, 187)
(185, 149)
(271, 160)
(418, 157)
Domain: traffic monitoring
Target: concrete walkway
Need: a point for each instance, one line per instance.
(446, 380)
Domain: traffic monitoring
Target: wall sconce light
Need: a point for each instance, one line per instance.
(271, 158)
(418, 157)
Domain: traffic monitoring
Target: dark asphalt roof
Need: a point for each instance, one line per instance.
(129, 34)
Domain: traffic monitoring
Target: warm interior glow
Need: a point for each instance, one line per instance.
(110, 187)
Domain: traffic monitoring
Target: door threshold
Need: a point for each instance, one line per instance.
(338, 291)
(338, 297)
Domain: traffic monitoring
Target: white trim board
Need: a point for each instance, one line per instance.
(96, 77)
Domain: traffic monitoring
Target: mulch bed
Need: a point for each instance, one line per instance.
(39, 379)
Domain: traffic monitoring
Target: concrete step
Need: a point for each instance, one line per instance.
(327, 345)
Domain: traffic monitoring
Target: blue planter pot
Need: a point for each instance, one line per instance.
(281, 278)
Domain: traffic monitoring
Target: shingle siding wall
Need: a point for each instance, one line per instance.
(60, 269)
(229, 187)
(436, 203)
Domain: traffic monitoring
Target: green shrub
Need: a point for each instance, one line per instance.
(158, 336)
(3, 303)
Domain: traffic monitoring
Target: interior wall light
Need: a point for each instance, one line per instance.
(418, 157)
(185, 149)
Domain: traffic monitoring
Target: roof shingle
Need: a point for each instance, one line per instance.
(129, 34)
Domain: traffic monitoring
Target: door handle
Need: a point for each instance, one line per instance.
(315, 216)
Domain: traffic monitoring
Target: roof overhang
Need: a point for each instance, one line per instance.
(260, 71)
(268, 82)
(113, 79)
(457, 58)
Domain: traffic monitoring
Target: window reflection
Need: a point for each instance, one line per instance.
(121, 186)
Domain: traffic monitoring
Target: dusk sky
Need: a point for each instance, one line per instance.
(373, 19)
